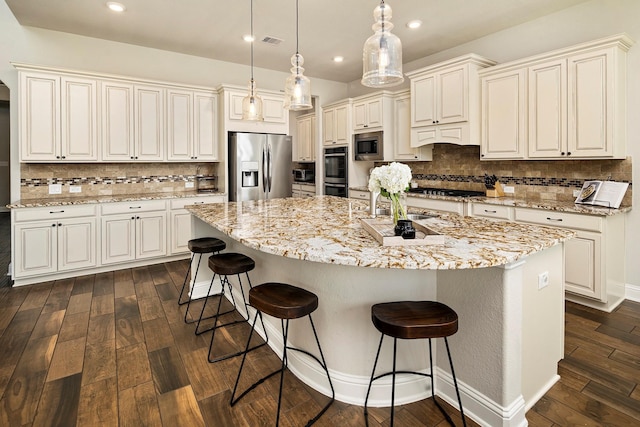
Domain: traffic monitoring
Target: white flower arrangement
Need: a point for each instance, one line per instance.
(391, 181)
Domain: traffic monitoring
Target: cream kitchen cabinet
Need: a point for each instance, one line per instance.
(450, 206)
(504, 119)
(58, 117)
(66, 240)
(304, 149)
(133, 231)
(564, 104)
(445, 94)
(489, 210)
(594, 259)
(192, 125)
(303, 190)
(402, 149)
(133, 122)
(336, 124)
(368, 113)
(276, 118)
(180, 221)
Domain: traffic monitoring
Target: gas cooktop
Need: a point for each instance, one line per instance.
(446, 192)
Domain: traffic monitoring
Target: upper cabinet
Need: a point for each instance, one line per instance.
(133, 122)
(564, 104)
(192, 125)
(402, 149)
(70, 116)
(57, 117)
(368, 113)
(336, 123)
(276, 117)
(304, 149)
(445, 102)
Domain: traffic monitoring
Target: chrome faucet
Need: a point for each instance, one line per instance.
(373, 202)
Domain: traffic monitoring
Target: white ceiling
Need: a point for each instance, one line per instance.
(214, 28)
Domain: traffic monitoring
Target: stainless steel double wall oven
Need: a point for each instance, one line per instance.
(335, 171)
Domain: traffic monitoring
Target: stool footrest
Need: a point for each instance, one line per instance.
(231, 310)
(229, 356)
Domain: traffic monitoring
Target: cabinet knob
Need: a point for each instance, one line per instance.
(133, 217)
(481, 155)
(131, 157)
(366, 126)
(57, 157)
(137, 217)
(59, 224)
(64, 157)
(568, 153)
(53, 225)
(562, 153)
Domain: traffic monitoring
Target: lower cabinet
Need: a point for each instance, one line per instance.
(65, 241)
(128, 237)
(180, 222)
(303, 190)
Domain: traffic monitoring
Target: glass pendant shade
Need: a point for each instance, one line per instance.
(382, 52)
(252, 104)
(297, 88)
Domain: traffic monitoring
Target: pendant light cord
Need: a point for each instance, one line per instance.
(252, 40)
(297, 24)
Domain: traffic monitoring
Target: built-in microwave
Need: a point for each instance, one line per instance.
(368, 146)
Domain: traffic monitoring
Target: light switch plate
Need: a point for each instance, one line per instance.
(55, 188)
(509, 189)
(188, 184)
(75, 189)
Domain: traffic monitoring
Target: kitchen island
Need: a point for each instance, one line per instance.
(503, 279)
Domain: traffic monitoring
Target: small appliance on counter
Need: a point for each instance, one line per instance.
(206, 184)
(304, 175)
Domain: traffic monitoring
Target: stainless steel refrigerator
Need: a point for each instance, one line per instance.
(259, 166)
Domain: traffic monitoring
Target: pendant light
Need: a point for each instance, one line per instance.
(297, 88)
(382, 52)
(252, 103)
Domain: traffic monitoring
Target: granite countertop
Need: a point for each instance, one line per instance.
(327, 229)
(525, 203)
(66, 201)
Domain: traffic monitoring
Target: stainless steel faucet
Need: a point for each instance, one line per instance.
(373, 202)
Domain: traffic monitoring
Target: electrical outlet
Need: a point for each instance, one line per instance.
(509, 189)
(75, 189)
(55, 188)
(576, 193)
(188, 184)
(543, 280)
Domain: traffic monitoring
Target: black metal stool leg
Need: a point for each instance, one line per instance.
(184, 284)
(433, 392)
(285, 332)
(455, 383)
(375, 363)
(393, 380)
(233, 322)
(326, 370)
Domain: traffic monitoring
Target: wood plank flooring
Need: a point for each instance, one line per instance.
(112, 349)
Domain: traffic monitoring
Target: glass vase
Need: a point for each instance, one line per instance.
(398, 206)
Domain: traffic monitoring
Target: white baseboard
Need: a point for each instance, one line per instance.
(632, 292)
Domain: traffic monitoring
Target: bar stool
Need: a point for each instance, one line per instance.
(225, 265)
(202, 245)
(283, 302)
(414, 320)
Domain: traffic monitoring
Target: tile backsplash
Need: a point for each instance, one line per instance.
(459, 167)
(105, 179)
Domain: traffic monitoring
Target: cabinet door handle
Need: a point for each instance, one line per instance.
(554, 219)
(488, 211)
(54, 212)
(135, 207)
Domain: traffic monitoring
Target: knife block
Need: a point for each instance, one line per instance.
(497, 191)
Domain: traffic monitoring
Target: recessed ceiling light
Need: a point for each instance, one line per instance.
(248, 38)
(416, 23)
(115, 6)
(338, 58)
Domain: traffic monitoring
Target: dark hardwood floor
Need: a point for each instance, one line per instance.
(112, 349)
(5, 247)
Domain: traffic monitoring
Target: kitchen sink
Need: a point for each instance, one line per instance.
(417, 217)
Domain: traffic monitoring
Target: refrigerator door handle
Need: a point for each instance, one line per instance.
(270, 166)
(264, 169)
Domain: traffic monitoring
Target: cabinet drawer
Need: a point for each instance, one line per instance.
(488, 210)
(128, 207)
(357, 194)
(181, 203)
(308, 188)
(36, 214)
(559, 219)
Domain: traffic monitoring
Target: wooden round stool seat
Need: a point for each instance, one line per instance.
(231, 263)
(283, 301)
(414, 319)
(205, 245)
